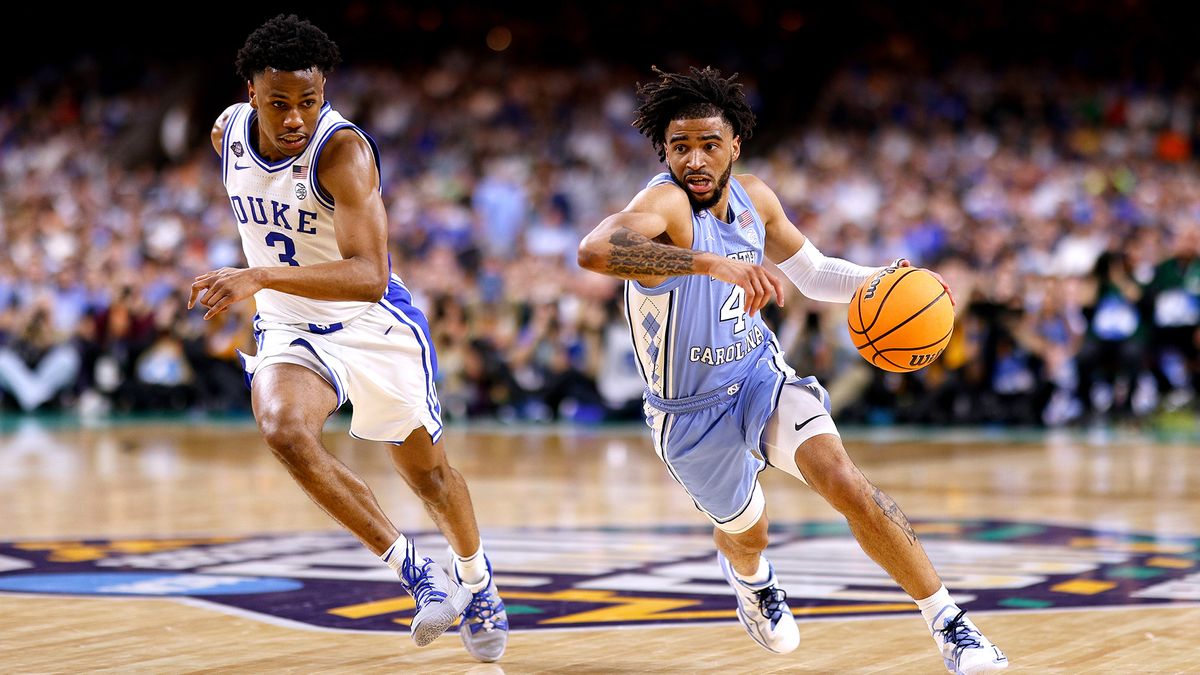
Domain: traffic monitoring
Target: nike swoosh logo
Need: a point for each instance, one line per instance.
(800, 425)
(239, 167)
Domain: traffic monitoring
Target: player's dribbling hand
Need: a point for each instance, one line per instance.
(224, 287)
(903, 262)
(759, 284)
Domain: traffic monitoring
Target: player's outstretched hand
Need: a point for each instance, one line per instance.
(221, 288)
(759, 284)
(903, 262)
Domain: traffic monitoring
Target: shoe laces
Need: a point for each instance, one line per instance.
(483, 610)
(958, 633)
(418, 579)
(771, 602)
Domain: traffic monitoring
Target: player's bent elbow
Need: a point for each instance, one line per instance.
(589, 259)
(376, 291)
(371, 279)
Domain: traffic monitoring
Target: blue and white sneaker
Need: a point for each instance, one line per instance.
(439, 600)
(763, 611)
(965, 650)
(484, 625)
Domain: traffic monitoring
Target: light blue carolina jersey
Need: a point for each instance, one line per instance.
(691, 333)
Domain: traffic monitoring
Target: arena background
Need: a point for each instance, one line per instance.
(1039, 156)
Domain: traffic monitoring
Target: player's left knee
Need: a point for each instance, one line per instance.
(844, 487)
(431, 485)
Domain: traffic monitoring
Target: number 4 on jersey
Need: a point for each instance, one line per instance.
(734, 309)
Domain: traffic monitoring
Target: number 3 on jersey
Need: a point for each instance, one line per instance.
(734, 309)
(289, 247)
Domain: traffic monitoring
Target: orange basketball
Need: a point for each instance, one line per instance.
(901, 319)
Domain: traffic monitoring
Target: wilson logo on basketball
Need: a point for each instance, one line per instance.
(568, 578)
(874, 283)
(919, 360)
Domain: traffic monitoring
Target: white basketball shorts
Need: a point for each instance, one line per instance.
(382, 362)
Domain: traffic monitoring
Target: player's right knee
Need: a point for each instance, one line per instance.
(285, 436)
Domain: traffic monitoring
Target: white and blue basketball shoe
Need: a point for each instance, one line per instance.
(763, 611)
(965, 650)
(440, 601)
(484, 625)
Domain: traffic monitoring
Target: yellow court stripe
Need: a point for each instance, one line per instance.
(1083, 586)
(1173, 563)
(375, 608)
(621, 610)
(1109, 543)
(402, 603)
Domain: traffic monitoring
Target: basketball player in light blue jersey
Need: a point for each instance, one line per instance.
(334, 324)
(721, 400)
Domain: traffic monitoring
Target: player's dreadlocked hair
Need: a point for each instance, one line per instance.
(286, 43)
(703, 93)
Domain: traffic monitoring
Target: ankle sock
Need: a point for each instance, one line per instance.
(760, 576)
(472, 570)
(394, 556)
(933, 604)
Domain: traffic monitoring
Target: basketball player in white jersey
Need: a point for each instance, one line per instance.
(722, 402)
(334, 324)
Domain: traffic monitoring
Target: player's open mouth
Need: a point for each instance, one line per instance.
(293, 142)
(699, 184)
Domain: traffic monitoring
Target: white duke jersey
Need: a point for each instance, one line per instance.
(691, 333)
(283, 215)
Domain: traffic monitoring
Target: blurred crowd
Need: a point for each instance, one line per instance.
(1062, 211)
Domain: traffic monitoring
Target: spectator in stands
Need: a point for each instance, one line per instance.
(1173, 296)
(1114, 346)
(38, 362)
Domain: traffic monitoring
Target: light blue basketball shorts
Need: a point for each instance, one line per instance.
(715, 444)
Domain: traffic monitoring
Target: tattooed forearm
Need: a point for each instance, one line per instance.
(894, 514)
(633, 254)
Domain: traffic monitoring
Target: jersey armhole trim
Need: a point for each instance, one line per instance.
(225, 143)
(323, 197)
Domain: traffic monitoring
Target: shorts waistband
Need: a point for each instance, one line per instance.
(324, 329)
(694, 403)
(314, 328)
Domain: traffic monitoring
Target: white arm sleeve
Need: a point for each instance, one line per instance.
(823, 278)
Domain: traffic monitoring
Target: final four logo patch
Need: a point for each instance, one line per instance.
(559, 578)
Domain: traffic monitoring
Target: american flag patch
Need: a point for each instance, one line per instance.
(745, 219)
(299, 172)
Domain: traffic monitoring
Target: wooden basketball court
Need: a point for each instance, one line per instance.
(70, 494)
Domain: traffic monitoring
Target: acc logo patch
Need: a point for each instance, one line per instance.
(236, 148)
(567, 578)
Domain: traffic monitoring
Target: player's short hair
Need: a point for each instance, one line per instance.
(287, 43)
(696, 95)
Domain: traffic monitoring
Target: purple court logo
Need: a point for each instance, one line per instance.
(567, 578)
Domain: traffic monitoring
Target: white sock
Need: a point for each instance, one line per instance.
(933, 604)
(760, 576)
(397, 552)
(472, 570)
